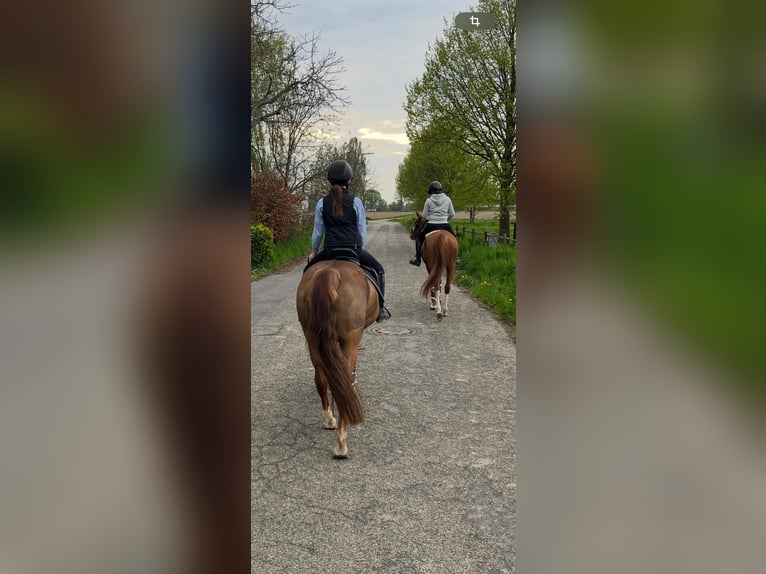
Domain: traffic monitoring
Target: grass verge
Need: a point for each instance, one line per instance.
(489, 273)
(293, 249)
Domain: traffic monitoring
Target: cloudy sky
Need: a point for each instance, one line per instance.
(383, 46)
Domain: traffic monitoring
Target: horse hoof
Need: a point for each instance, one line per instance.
(339, 454)
(439, 316)
(329, 422)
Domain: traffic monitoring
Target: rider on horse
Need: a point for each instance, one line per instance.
(341, 219)
(438, 210)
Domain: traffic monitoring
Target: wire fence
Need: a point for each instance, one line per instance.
(490, 239)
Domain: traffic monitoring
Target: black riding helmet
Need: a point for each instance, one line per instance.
(339, 171)
(435, 187)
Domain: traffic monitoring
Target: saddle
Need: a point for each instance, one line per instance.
(344, 254)
(349, 254)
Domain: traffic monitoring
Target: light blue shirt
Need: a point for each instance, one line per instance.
(318, 233)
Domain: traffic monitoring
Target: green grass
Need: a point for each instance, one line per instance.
(293, 249)
(489, 273)
(480, 225)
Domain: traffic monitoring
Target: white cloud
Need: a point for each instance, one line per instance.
(398, 138)
(393, 123)
(325, 135)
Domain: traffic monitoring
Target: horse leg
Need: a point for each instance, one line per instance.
(434, 299)
(350, 348)
(438, 302)
(446, 294)
(328, 418)
(351, 352)
(341, 449)
(444, 304)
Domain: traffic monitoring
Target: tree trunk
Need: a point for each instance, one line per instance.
(505, 221)
(506, 197)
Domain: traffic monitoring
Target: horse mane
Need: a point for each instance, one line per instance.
(420, 223)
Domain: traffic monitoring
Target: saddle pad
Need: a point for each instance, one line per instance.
(374, 280)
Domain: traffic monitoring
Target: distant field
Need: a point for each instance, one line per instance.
(458, 215)
(479, 215)
(387, 214)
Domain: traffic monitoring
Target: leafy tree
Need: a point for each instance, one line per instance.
(467, 96)
(317, 187)
(372, 199)
(463, 176)
(352, 152)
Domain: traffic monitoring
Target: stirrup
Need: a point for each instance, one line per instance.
(383, 315)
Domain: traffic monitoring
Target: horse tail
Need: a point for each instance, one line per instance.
(333, 366)
(437, 265)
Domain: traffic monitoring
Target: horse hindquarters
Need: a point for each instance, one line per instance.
(440, 257)
(331, 365)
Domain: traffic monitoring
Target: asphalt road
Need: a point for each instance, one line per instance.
(430, 481)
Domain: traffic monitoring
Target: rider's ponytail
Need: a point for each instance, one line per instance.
(337, 201)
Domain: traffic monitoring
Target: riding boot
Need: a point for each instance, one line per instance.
(383, 313)
(418, 250)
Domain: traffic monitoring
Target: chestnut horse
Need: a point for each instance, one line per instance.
(440, 257)
(336, 303)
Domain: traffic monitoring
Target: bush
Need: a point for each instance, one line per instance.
(274, 205)
(261, 244)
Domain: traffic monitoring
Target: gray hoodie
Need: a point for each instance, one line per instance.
(438, 208)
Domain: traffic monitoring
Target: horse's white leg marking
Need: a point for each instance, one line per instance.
(444, 306)
(329, 419)
(438, 304)
(341, 450)
(433, 299)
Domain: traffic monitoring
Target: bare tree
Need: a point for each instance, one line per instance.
(295, 90)
(291, 133)
(289, 74)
